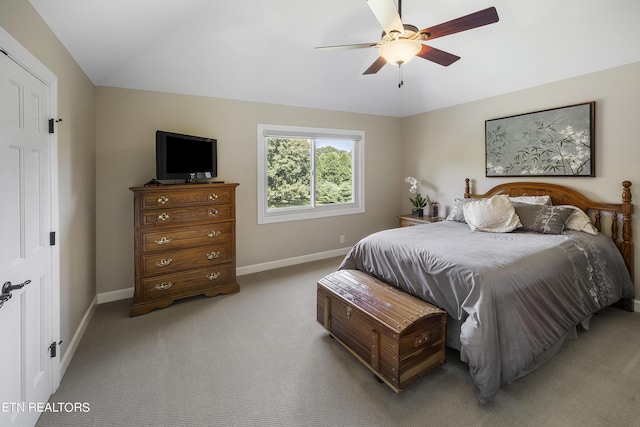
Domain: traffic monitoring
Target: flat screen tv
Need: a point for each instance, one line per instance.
(185, 157)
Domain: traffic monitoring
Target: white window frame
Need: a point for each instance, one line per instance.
(267, 216)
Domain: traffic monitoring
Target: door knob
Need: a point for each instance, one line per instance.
(8, 287)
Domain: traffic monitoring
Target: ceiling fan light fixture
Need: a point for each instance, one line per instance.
(400, 51)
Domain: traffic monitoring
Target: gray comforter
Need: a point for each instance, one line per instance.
(512, 297)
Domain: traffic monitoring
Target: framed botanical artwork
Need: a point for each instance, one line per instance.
(554, 142)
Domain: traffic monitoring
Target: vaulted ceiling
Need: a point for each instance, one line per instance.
(263, 50)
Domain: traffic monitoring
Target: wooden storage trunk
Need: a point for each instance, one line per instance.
(396, 335)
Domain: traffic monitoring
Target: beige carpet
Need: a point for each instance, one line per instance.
(258, 358)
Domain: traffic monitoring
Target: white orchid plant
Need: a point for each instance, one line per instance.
(418, 202)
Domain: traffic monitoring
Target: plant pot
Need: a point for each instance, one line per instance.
(418, 213)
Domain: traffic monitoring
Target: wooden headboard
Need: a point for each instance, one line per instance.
(560, 195)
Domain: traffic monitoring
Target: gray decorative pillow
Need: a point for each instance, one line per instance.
(542, 219)
(457, 213)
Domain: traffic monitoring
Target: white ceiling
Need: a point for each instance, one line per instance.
(263, 50)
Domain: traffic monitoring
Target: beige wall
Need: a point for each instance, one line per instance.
(126, 125)
(76, 161)
(446, 146)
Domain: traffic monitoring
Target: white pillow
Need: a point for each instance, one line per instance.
(532, 200)
(579, 221)
(495, 214)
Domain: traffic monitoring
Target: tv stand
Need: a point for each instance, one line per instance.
(153, 182)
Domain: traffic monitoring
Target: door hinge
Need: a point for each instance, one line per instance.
(52, 238)
(53, 347)
(51, 125)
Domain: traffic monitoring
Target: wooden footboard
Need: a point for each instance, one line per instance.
(619, 213)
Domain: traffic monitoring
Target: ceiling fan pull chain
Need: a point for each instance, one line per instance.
(400, 79)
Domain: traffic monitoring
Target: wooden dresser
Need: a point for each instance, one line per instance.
(185, 243)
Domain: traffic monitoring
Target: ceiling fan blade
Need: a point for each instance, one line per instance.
(347, 46)
(474, 20)
(376, 66)
(387, 15)
(436, 55)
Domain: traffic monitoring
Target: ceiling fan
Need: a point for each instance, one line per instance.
(401, 42)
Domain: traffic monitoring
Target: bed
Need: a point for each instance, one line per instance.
(512, 298)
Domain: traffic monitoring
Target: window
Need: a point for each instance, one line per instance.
(309, 173)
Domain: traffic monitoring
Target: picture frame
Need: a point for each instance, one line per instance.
(554, 142)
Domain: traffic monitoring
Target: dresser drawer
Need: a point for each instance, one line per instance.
(173, 261)
(184, 238)
(194, 215)
(191, 282)
(167, 198)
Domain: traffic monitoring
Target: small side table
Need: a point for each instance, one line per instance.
(409, 220)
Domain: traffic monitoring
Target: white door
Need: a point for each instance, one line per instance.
(25, 252)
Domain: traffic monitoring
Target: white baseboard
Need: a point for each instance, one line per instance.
(115, 295)
(73, 344)
(121, 294)
(256, 268)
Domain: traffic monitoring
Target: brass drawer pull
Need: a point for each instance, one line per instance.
(348, 312)
(213, 276)
(213, 212)
(213, 196)
(163, 241)
(213, 234)
(213, 255)
(163, 262)
(164, 286)
(163, 216)
(162, 200)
